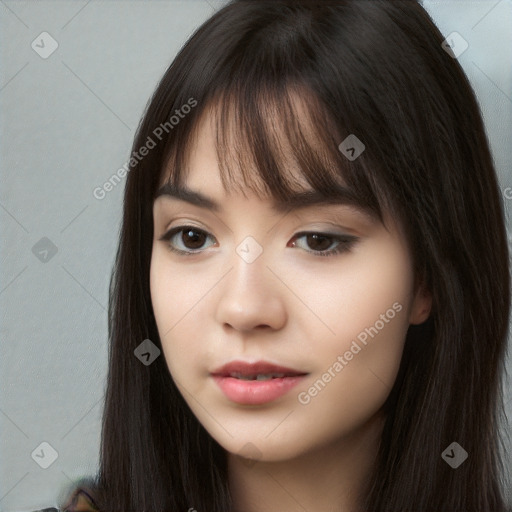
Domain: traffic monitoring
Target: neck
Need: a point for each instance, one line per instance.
(328, 478)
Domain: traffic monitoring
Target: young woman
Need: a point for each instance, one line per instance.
(310, 301)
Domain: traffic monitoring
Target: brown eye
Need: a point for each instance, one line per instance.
(192, 239)
(185, 239)
(189, 240)
(319, 243)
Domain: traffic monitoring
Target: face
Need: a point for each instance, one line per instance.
(245, 284)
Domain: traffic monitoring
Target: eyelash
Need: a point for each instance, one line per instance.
(345, 242)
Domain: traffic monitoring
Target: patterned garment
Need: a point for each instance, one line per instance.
(80, 501)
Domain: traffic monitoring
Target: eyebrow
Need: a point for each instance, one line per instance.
(296, 201)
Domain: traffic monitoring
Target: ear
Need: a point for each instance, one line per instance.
(421, 306)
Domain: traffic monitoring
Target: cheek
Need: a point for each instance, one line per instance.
(353, 381)
(368, 287)
(178, 301)
(367, 309)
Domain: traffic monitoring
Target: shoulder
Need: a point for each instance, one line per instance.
(80, 496)
(80, 500)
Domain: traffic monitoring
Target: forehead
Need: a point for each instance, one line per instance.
(219, 150)
(202, 183)
(280, 146)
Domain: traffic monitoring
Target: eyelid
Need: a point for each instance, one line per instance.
(346, 232)
(344, 242)
(182, 227)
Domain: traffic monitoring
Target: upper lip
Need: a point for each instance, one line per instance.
(257, 368)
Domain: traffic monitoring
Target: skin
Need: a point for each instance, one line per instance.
(290, 307)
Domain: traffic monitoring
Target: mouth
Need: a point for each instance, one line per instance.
(259, 376)
(255, 383)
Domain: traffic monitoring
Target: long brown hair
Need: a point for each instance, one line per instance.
(375, 69)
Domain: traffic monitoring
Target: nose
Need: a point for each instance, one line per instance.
(251, 297)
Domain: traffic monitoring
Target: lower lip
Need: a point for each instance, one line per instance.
(255, 392)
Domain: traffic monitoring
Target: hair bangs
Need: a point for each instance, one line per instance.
(277, 141)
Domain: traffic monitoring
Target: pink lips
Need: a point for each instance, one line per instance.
(255, 392)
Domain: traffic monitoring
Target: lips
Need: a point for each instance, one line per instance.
(256, 383)
(244, 370)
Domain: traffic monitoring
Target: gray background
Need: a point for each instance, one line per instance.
(67, 125)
